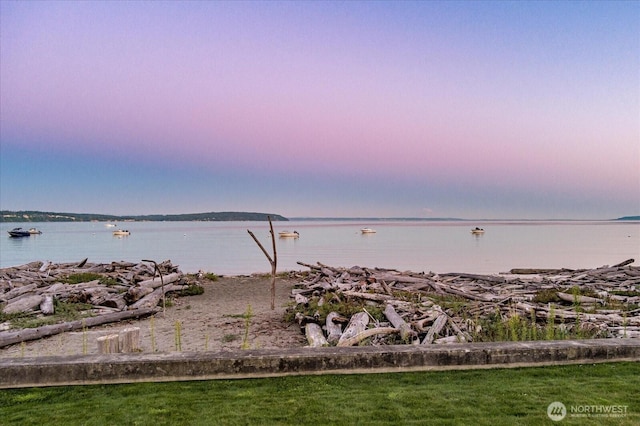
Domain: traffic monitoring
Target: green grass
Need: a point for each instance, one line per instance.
(85, 277)
(482, 397)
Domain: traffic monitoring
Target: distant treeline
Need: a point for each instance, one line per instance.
(629, 218)
(37, 216)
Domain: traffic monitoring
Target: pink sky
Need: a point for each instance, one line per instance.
(445, 109)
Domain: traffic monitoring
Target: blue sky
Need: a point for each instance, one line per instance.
(492, 110)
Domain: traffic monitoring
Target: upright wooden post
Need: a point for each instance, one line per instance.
(108, 344)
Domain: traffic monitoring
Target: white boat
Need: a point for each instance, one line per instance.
(121, 232)
(289, 234)
(110, 225)
(368, 231)
(34, 231)
(477, 231)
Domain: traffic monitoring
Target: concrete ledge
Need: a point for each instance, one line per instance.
(175, 366)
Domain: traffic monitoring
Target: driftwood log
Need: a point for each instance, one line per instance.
(12, 337)
(129, 290)
(603, 302)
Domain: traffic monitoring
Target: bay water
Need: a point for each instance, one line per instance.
(226, 248)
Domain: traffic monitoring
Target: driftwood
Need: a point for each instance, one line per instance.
(134, 290)
(152, 299)
(108, 344)
(23, 304)
(129, 340)
(315, 336)
(398, 322)
(603, 302)
(364, 334)
(46, 306)
(357, 324)
(435, 329)
(334, 331)
(12, 337)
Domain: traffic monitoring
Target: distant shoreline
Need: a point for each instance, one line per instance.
(23, 216)
(38, 216)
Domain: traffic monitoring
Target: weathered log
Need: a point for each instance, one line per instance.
(357, 324)
(449, 340)
(576, 298)
(108, 344)
(17, 292)
(152, 299)
(136, 293)
(301, 300)
(334, 331)
(12, 337)
(405, 329)
(129, 340)
(23, 304)
(46, 306)
(435, 329)
(534, 271)
(115, 301)
(624, 263)
(314, 334)
(368, 296)
(420, 324)
(490, 278)
(354, 340)
(157, 282)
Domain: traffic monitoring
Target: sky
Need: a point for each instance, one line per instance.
(494, 110)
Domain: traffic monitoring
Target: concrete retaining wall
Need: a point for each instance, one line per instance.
(159, 367)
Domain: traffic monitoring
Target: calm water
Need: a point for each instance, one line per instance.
(226, 248)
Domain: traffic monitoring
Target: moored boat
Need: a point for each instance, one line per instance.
(121, 232)
(289, 234)
(477, 231)
(368, 231)
(18, 232)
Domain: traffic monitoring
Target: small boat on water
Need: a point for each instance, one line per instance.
(368, 231)
(110, 225)
(121, 232)
(289, 234)
(33, 231)
(19, 232)
(477, 231)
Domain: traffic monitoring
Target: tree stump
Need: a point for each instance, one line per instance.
(130, 340)
(108, 344)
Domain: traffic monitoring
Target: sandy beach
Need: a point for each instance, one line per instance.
(214, 320)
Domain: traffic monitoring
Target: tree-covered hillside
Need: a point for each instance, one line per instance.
(38, 216)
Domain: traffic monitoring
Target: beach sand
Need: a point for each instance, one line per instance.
(212, 321)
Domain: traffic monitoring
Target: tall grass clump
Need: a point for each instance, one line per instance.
(178, 336)
(247, 323)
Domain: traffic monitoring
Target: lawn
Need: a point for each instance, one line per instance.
(479, 397)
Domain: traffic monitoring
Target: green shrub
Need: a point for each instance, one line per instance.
(85, 277)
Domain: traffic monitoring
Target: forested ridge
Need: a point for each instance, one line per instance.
(38, 216)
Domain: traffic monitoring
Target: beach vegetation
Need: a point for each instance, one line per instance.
(227, 338)
(63, 312)
(85, 277)
(191, 290)
(320, 307)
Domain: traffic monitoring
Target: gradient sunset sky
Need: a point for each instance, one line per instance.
(495, 110)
